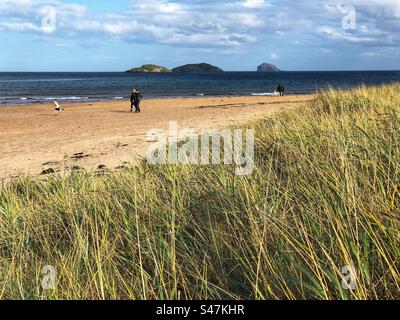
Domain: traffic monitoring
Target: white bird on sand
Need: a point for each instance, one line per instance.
(57, 107)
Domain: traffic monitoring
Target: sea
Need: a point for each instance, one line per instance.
(34, 88)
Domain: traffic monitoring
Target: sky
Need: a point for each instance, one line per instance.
(238, 35)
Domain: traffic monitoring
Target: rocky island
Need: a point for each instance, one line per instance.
(267, 67)
(150, 68)
(197, 68)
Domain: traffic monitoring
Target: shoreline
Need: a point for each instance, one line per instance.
(106, 134)
(148, 98)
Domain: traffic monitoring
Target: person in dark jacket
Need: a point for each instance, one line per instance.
(281, 90)
(133, 94)
(137, 97)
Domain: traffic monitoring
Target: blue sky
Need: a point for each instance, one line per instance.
(238, 35)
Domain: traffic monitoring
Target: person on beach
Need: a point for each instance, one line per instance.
(133, 99)
(57, 107)
(281, 90)
(137, 97)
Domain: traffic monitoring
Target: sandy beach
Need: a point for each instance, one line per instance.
(88, 135)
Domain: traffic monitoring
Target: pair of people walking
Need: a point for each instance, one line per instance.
(136, 97)
(281, 90)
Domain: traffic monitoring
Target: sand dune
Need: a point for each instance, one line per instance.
(106, 134)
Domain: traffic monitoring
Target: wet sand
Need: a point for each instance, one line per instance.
(87, 135)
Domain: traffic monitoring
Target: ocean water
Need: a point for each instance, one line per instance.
(27, 88)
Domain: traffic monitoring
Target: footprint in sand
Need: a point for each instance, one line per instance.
(120, 145)
(79, 156)
(51, 163)
(47, 171)
(102, 170)
(76, 168)
(124, 166)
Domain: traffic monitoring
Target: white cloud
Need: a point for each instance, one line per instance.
(205, 24)
(274, 56)
(158, 6)
(27, 15)
(338, 34)
(23, 26)
(253, 3)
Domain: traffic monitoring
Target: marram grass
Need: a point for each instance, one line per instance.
(325, 194)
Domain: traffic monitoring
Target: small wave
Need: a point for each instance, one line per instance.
(265, 94)
(39, 80)
(201, 94)
(118, 98)
(23, 98)
(67, 98)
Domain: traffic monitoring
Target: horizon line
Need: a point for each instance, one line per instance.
(270, 72)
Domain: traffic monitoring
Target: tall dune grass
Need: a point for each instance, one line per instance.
(325, 193)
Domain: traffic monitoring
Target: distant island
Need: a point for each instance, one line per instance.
(268, 67)
(197, 68)
(150, 68)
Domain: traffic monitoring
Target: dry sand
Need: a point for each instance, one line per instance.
(87, 135)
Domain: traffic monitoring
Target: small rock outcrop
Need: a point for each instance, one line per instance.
(267, 67)
(150, 68)
(197, 68)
